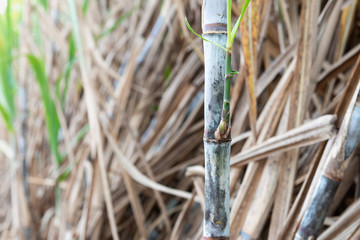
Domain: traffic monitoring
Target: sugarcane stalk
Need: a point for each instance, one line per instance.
(218, 40)
(217, 34)
(217, 152)
(313, 219)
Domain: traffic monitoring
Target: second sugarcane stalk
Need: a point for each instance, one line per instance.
(333, 172)
(218, 39)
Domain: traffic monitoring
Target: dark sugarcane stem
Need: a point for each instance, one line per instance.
(312, 222)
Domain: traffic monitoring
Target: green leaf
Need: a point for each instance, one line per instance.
(51, 117)
(85, 6)
(237, 24)
(6, 118)
(191, 30)
(65, 174)
(44, 3)
(66, 72)
(77, 138)
(57, 86)
(69, 66)
(8, 41)
(72, 48)
(228, 13)
(80, 134)
(7, 93)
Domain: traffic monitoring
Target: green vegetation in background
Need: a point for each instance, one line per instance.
(44, 3)
(78, 137)
(51, 116)
(8, 41)
(71, 61)
(36, 31)
(85, 6)
(167, 75)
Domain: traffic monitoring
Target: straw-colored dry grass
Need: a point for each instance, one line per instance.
(136, 84)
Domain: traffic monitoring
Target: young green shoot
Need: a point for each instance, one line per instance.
(223, 130)
(231, 36)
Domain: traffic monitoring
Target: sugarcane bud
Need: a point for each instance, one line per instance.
(222, 131)
(217, 135)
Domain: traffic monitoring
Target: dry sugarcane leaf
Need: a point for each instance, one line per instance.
(246, 192)
(264, 21)
(309, 133)
(356, 234)
(346, 20)
(296, 207)
(52, 31)
(136, 205)
(299, 96)
(266, 77)
(279, 35)
(349, 218)
(336, 163)
(345, 25)
(263, 199)
(249, 37)
(326, 38)
(157, 223)
(122, 92)
(264, 80)
(349, 176)
(268, 112)
(304, 62)
(254, 170)
(148, 170)
(264, 196)
(161, 135)
(347, 95)
(341, 65)
(92, 110)
(285, 16)
(175, 234)
(181, 17)
(137, 175)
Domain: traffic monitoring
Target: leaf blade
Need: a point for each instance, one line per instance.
(198, 35)
(51, 117)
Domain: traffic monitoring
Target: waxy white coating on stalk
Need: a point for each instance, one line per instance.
(214, 11)
(214, 83)
(217, 154)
